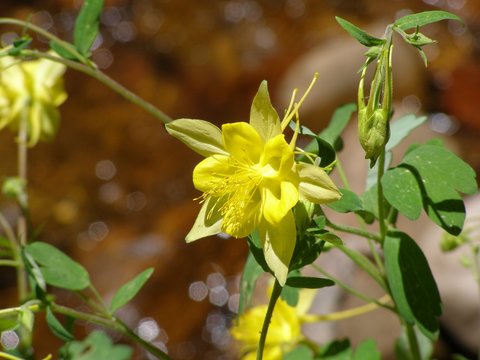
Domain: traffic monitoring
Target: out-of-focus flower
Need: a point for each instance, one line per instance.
(31, 91)
(250, 180)
(284, 332)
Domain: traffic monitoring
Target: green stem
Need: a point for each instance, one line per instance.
(343, 175)
(381, 203)
(354, 231)
(349, 289)
(12, 263)
(4, 355)
(104, 79)
(111, 323)
(413, 342)
(22, 235)
(277, 290)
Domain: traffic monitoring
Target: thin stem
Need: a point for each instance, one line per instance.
(104, 79)
(381, 207)
(4, 355)
(354, 231)
(12, 263)
(349, 313)
(22, 235)
(145, 344)
(351, 290)
(10, 234)
(343, 175)
(413, 342)
(111, 323)
(277, 289)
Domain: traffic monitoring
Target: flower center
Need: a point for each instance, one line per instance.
(238, 198)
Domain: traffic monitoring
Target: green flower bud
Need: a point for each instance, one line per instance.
(373, 132)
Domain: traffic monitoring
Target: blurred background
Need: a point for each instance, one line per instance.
(114, 190)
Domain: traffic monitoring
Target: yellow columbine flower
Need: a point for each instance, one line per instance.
(250, 180)
(284, 332)
(31, 91)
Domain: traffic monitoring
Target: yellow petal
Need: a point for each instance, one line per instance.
(243, 142)
(315, 184)
(278, 245)
(278, 199)
(210, 174)
(201, 136)
(208, 222)
(278, 155)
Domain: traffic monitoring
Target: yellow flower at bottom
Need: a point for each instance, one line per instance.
(250, 180)
(31, 91)
(284, 332)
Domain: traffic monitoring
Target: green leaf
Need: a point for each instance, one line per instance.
(263, 115)
(306, 282)
(363, 262)
(336, 350)
(307, 249)
(401, 189)
(251, 272)
(301, 352)
(320, 147)
(337, 124)
(128, 291)
(367, 350)
(290, 294)
(9, 321)
(349, 202)
(328, 237)
(412, 285)
(424, 18)
(57, 268)
(63, 51)
(402, 127)
(256, 250)
(441, 175)
(86, 26)
(95, 347)
(360, 35)
(19, 45)
(57, 328)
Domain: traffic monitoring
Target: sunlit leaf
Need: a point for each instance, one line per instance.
(128, 291)
(360, 35)
(413, 21)
(86, 26)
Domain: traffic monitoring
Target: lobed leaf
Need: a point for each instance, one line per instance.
(411, 283)
(402, 127)
(96, 346)
(349, 202)
(413, 21)
(401, 189)
(128, 291)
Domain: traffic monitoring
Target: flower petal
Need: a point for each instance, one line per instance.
(199, 135)
(243, 142)
(263, 116)
(278, 155)
(210, 174)
(315, 185)
(278, 199)
(208, 222)
(278, 245)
